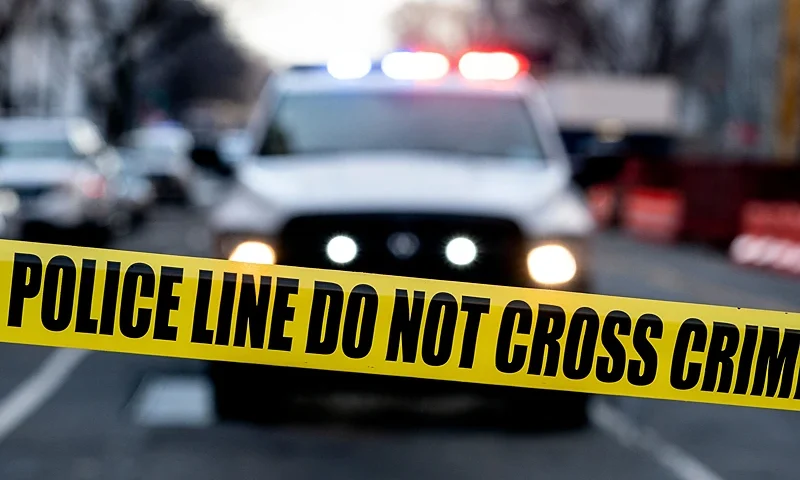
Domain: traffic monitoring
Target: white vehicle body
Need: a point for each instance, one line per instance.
(55, 172)
(539, 199)
(536, 196)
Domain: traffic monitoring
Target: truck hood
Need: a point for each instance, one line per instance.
(275, 189)
(37, 172)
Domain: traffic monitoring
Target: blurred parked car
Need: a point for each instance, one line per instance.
(408, 167)
(161, 154)
(136, 193)
(58, 172)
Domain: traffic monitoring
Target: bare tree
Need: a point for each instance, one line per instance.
(582, 35)
(671, 55)
(556, 33)
(432, 25)
(159, 34)
(10, 13)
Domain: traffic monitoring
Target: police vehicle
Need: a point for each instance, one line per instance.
(417, 165)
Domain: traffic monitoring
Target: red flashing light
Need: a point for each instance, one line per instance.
(499, 65)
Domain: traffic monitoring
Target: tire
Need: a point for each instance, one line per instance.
(243, 393)
(171, 192)
(228, 399)
(139, 218)
(547, 410)
(36, 232)
(93, 236)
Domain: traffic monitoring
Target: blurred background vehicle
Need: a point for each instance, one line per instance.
(60, 171)
(161, 154)
(136, 192)
(602, 116)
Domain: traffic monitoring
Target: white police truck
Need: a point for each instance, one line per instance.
(416, 165)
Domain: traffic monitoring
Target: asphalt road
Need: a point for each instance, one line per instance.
(123, 417)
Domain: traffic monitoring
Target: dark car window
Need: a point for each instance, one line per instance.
(37, 149)
(449, 123)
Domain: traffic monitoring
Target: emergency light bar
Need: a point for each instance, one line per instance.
(349, 67)
(424, 65)
(415, 65)
(489, 66)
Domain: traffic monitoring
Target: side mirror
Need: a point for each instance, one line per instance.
(235, 147)
(593, 170)
(207, 157)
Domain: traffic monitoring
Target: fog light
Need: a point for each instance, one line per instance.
(342, 249)
(461, 251)
(551, 265)
(253, 252)
(9, 202)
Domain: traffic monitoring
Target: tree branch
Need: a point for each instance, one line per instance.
(686, 53)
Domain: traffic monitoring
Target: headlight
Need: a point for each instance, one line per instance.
(341, 249)
(551, 265)
(9, 202)
(461, 251)
(253, 252)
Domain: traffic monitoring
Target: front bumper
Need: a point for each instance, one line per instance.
(502, 257)
(503, 263)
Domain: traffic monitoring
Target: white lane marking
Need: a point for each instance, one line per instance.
(615, 423)
(38, 388)
(174, 401)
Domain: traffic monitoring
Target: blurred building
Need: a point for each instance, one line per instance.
(754, 56)
(724, 53)
(43, 72)
(118, 61)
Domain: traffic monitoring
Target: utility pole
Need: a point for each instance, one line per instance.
(788, 107)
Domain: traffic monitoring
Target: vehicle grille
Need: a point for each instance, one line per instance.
(501, 249)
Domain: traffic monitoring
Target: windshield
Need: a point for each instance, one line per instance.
(158, 141)
(160, 151)
(458, 124)
(56, 148)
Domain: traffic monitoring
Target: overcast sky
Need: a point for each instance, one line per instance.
(310, 30)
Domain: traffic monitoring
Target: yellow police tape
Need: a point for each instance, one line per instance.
(208, 309)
